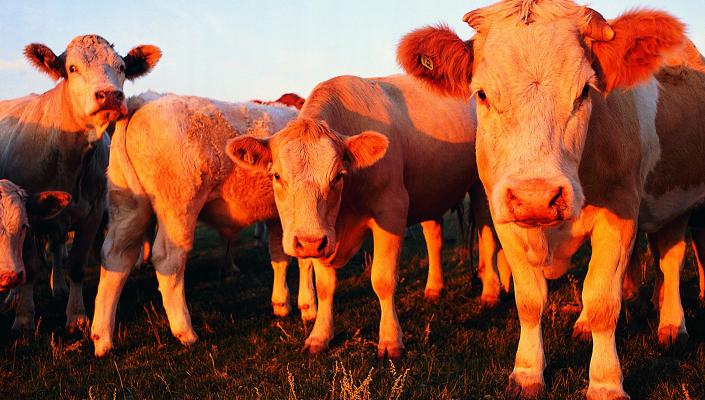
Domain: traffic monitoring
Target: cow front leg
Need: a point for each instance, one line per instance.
(280, 264)
(24, 314)
(322, 331)
(612, 240)
(433, 235)
(57, 282)
(671, 244)
(307, 295)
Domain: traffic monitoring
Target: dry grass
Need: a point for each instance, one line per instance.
(455, 349)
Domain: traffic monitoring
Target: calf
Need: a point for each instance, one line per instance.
(168, 163)
(364, 155)
(55, 141)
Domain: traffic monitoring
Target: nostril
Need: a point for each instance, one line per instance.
(297, 243)
(558, 201)
(100, 96)
(324, 243)
(119, 96)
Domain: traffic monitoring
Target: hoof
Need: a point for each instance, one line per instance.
(314, 346)
(432, 296)
(488, 302)
(23, 323)
(530, 390)
(308, 311)
(187, 338)
(672, 337)
(281, 309)
(102, 346)
(77, 323)
(391, 350)
(606, 394)
(581, 332)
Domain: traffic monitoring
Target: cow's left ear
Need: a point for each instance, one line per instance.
(47, 205)
(45, 60)
(140, 60)
(365, 149)
(642, 38)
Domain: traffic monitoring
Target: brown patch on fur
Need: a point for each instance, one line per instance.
(44, 59)
(140, 60)
(451, 56)
(642, 39)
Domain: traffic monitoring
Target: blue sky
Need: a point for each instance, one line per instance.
(245, 49)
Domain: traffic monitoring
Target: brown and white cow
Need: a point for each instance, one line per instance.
(576, 141)
(55, 141)
(169, 162)
(364, 155)
(287, 99)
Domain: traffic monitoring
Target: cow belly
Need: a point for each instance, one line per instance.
(656, 211)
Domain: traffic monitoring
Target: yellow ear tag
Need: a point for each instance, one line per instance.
(427, 62)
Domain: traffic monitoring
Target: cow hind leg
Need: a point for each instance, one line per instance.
(129, 219)
(57, 282)
(699, 249)
(671, 244)
(433, 235)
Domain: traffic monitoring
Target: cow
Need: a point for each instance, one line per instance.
(287, 99)
(54, 141)
(168, 163)
(364, 155)
(576, 141)
(18, 212)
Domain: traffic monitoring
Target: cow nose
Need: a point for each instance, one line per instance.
(310, 246)
(536, 202)
(8, 280)
(109, 97)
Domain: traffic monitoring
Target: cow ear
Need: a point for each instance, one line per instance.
(41, 57)
(47, 205)
(642, 39)
(250, 152)
(365, 149)
(437, 56)
(140, 60)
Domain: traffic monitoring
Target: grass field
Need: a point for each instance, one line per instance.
(455, 349)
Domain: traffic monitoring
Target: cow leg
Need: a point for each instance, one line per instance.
(322, 331)
(57, 282)
(488, 250)
(657, 295)
(671, 244)
(280, 263)
(82, 244)
(699, 250)
(24, 314)
(433, 234)
(530, 291)
(388, 235)
(129, 220)
(612, 240)
(307, 295)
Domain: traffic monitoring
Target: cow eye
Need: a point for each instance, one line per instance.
(121, 68)
(337, 177)
(276, 176)
(482, 95)
(73, 69)
(585, 92)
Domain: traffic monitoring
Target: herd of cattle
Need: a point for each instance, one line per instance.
(561, 126)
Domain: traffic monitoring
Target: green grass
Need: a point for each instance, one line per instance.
(455, 350)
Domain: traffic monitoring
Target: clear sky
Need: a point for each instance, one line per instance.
(245, 49)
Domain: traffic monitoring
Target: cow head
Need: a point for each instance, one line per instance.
(94, 75)
(309, 164)
(17, 210)
(535, 68)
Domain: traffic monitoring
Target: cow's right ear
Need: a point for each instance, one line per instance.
(437, 56)
(250, 152)
(47, 205)
(41, 57)
(140, 60)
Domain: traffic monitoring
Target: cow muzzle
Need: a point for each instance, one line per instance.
(111, 104)
(537, 202)
(11, 279)
(311, 246)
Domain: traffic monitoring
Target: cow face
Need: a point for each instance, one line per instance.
(536, 68)
(16, 211)
(309, 164)
(94, 75)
